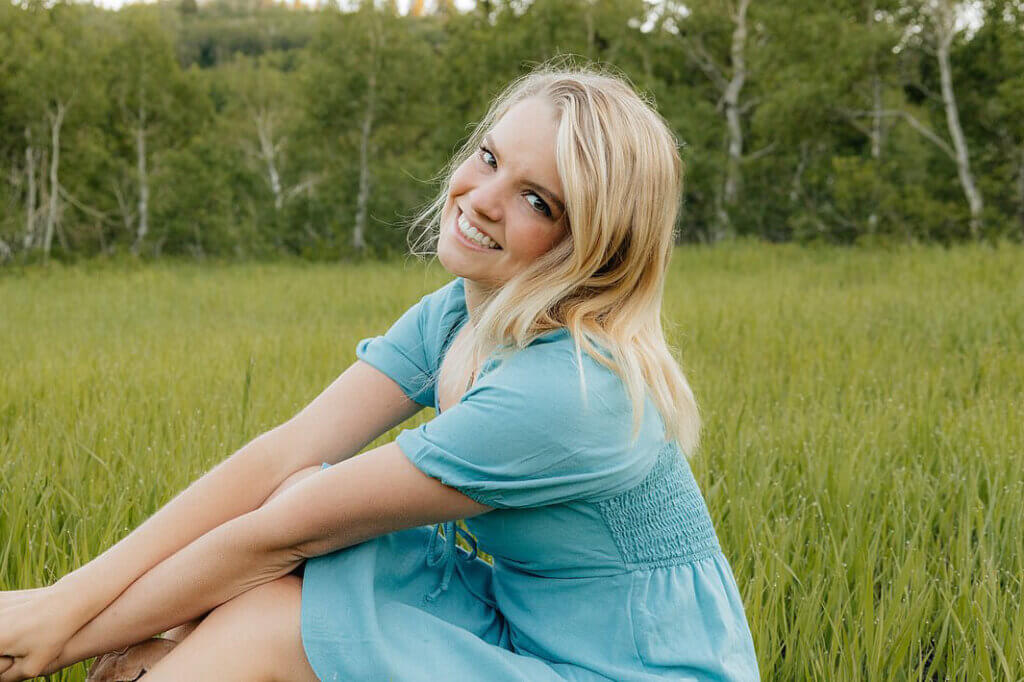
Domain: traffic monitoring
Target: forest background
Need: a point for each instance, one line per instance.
(242, 129)
(864, 423)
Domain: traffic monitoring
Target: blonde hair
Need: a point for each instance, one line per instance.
(622, 176)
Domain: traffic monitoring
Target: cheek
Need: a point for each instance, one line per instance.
(462, 179)
(534, 240)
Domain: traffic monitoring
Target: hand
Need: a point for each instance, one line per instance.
(34, 627)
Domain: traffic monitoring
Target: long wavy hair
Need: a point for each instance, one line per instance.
(622, 175)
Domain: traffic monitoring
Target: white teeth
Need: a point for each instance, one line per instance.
(474, 234)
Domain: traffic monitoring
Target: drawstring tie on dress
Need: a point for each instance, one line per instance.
(451, 557)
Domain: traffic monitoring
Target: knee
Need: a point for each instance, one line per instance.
(299, 475)
(276, 597)
(270, 611)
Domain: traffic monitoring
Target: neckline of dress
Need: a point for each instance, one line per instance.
(463, 316)
(463, 310)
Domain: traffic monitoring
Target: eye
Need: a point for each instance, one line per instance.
(535, 201)
(484, 154)
(540, 204)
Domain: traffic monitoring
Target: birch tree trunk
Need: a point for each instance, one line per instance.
(268, 151)
(876, 117)
(30, 201)
(945, 28)
(122, 206)
(876, 122)
(363, 199)
(1020, 191)
(731, 100)
(56, 120)
(731, 88)
(143, 177)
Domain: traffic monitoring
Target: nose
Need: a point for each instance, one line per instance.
(486, 200)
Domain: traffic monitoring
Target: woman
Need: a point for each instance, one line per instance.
(562, 419)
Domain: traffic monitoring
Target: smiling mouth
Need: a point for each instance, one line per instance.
(473, 235)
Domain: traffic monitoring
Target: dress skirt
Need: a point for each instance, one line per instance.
(366, 618)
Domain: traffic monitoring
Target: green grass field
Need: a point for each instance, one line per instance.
(863, 457)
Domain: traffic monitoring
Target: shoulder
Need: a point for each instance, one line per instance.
(550, 361)
(434, 315)
(440, 302)
(551, 383)
(527, 433)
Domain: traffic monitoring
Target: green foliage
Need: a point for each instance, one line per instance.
(861, 459)
(844, 137)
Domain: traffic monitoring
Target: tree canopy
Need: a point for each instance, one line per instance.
(246, 129)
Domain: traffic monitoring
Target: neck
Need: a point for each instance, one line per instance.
(475, 294)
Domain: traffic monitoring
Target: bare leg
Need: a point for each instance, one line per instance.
(182, 631)
(118, 625)
(255, 637)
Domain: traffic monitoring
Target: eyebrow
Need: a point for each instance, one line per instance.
(540, 189)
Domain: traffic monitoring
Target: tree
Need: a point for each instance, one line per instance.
(57, 87)
(830, 77)
(932, 26)
(994, 67)
(367, 91)
(701, 27)
(141, 70)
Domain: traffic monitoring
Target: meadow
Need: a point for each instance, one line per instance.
(863, 452)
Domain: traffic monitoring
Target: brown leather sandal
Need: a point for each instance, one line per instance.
(130, 663)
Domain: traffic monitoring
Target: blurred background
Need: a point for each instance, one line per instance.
(245, 129)
(847, 297)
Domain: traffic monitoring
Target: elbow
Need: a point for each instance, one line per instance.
(292, 539)
(268, 545)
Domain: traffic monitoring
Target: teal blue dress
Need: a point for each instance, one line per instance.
(606, 564)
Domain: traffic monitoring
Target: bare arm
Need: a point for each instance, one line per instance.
(370, 495)
(355, 409)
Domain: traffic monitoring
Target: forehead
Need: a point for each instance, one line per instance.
(525, 142)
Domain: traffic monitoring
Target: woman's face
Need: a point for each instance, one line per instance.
(509, 191)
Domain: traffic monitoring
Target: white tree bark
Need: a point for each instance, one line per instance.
(30, 200)
(731, 99)
(876, 120)
(268, 152)
(731, 89)
(143, 177)
(876, 117)
(944, 19)
(363, 199)
(1020, 191)
(127, 217)
(56, 120)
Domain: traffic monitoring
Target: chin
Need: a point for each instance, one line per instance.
(449, 257)
(446, 264)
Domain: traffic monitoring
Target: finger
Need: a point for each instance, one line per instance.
(5, 663)
(34, 665)
(11, 674)
(23, 669)
(18, 672)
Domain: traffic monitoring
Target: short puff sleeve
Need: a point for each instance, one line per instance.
(407, 351)
(522, 435)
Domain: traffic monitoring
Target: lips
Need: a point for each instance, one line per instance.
(461, 222)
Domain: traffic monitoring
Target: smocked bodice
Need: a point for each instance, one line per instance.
(662, 521)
